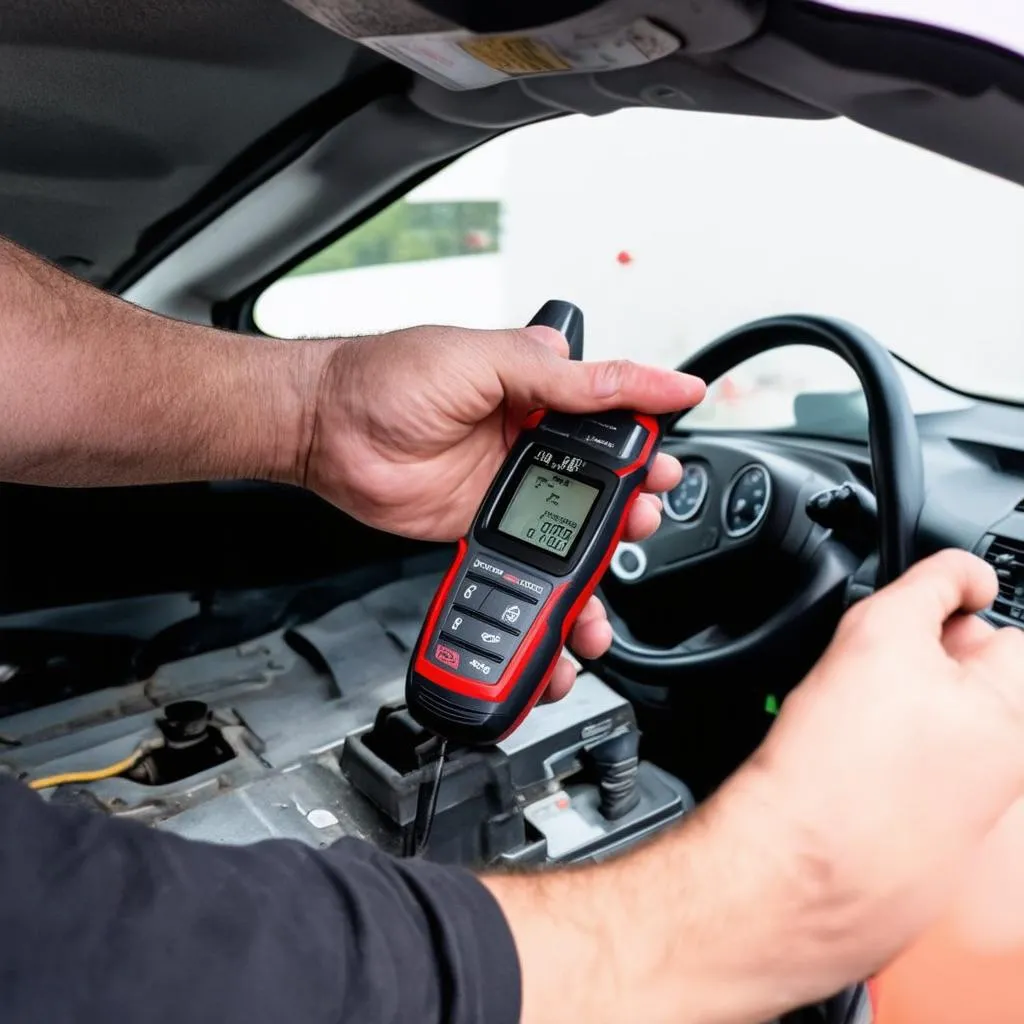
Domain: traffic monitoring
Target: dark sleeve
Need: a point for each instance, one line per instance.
(107, 920)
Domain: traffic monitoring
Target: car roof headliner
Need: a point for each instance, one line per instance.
(113, 115)
(127, 126)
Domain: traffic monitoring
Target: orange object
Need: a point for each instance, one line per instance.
(943, 981)
(968, 969)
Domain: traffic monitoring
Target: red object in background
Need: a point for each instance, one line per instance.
(477, 241)
(624, 258)
(728, 391)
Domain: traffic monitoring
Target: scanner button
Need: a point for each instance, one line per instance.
(477, 667)
(471, 593)
(614, 433)
(558, 423)
(509, 610)
(497, 642)
(446, 656)
(454, 658)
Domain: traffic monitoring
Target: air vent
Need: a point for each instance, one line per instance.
(1007, 557)
(1019, 507)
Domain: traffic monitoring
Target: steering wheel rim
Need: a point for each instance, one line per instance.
(897, 468)
(898, 473)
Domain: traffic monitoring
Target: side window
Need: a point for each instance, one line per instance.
(421, 260)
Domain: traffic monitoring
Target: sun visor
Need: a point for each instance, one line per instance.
(462, 45)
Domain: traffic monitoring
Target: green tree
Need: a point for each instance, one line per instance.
(406, 232)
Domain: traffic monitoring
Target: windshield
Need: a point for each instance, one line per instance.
(670, 228)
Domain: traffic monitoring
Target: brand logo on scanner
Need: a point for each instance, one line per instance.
(508, 577)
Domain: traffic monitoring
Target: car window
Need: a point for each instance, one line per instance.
(671, 228)
(772, 391)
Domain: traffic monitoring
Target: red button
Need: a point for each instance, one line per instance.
(447, 655)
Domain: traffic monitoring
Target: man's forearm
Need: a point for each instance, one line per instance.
(95, 391)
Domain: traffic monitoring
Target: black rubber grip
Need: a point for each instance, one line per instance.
(564, 317)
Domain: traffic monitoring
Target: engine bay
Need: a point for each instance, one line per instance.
(301, 734)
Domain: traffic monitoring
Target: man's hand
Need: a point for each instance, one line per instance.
(827, 853)
(890, 764)
(405, 431)
(411, 428)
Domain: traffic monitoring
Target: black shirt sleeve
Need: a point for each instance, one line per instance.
(107, 920)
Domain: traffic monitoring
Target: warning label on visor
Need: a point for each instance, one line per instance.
(606, 40)
(463, 61)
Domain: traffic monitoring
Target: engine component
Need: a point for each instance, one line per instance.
(616, 762)
(191, 746)
(566, 786)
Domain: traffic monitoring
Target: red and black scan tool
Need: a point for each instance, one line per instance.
(540, 543)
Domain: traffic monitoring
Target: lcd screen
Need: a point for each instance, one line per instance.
(548, 510)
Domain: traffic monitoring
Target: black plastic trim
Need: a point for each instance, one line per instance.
(938, 57)
(259, 162)
(238, 312)
(830, 565)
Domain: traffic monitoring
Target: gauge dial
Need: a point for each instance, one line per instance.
(685, 501)
(746, 501)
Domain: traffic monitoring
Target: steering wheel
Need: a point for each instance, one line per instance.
(753, 498)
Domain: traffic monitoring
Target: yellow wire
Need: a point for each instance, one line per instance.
(94, 776)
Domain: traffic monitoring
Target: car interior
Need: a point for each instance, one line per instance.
(254, 640)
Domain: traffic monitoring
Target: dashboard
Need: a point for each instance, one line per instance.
(974, 479)
(744, 503)
(974, 500)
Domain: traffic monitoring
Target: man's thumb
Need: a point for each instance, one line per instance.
(934, 589)
(545, 378)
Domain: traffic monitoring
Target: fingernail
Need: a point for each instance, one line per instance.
(695, 387)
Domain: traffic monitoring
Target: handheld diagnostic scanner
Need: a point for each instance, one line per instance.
(539, 545)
